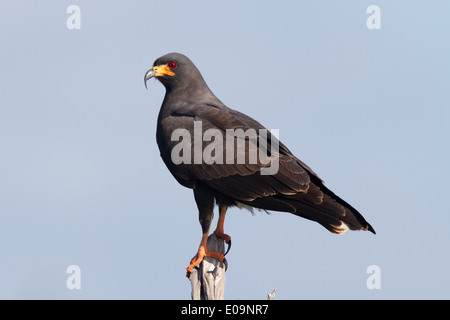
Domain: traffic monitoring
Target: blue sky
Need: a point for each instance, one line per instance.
(82, 183)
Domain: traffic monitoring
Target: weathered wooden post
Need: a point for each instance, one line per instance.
(208, 282)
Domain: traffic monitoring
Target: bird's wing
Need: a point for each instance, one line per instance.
(242, 182)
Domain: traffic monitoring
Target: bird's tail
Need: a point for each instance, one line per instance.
(318, 204)
(321, 205)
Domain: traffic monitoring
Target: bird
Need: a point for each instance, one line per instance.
(190, 111)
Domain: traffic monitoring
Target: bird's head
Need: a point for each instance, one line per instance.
(173, 70)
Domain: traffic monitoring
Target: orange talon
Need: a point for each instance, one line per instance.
(221, 235)
(198, 258)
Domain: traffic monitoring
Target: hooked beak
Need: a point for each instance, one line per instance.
(149, 74)
(158, 71)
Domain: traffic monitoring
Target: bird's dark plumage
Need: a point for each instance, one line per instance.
(294, 188)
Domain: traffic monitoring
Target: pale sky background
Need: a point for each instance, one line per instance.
(82, 182)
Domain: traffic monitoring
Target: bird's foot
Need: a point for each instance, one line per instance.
(227, 238)
(197, 259)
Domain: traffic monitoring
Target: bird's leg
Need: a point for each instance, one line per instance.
(205, 204)
(201, 253)
(219, 229)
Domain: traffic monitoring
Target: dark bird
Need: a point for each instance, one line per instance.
(190, 122)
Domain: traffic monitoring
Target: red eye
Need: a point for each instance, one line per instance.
(172, 64)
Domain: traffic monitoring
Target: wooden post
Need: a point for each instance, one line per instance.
(208, 282)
